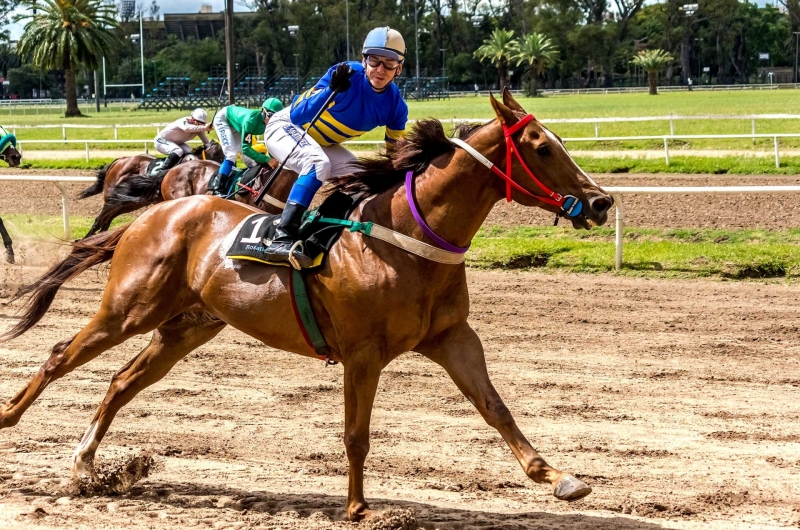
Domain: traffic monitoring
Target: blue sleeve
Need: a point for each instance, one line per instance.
(396, 128)
(306, 105)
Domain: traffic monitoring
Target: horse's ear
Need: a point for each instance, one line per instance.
(510, 102)
(503, 113)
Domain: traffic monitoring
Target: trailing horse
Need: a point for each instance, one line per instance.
(373, 301)
(118, 171)
(12, 157)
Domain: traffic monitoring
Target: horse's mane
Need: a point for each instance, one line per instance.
(414, 152)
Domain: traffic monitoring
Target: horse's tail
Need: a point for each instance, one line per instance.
(137, 189)
(85, 253)
(98, 185)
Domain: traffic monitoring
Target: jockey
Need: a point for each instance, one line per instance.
(232, 124)
(366, 99)
(171, 140)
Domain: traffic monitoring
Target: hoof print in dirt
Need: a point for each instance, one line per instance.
(118, 476)
(391, 520)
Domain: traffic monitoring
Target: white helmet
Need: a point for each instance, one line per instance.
(200, 115)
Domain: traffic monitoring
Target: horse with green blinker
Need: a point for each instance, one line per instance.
(169, 274)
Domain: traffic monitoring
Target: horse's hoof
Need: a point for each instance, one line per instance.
(571, 489)
(9, 256)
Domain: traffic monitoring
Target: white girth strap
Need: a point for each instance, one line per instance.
(418, 248)
(269, 199)
(471, 150)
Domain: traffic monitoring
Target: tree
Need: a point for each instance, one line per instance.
(28, 79)
(65, 34)
(537, 52)
(498, 49)
(652, 61)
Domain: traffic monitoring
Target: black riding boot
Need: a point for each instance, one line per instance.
(171, 161)
(217, 185)
(286, 234)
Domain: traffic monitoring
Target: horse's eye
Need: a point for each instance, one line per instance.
(543, 150)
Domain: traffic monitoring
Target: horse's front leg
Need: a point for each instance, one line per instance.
(361, 375)
(459, 351)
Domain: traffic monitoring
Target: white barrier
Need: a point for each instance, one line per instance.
(596, 121)
(59, 183)
(614, 191)
(618, 191)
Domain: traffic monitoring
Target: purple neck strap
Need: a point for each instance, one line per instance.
(441, 243)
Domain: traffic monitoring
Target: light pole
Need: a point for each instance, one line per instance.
(416, 46)
(347, 25)
(444, 68)
(297, 74)
(229, 48)
(796, 43)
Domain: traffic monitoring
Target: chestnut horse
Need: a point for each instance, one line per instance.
(114, 174)
(373, 301)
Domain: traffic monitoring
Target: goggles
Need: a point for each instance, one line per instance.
(388, 64)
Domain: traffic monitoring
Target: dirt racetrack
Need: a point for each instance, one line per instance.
(678, 401)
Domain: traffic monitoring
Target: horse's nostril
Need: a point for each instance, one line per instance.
(600, 205)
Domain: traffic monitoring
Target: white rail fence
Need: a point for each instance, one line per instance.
(596, 121)
(59, 182)
(618, 191)
(615, 191)
(146, 143)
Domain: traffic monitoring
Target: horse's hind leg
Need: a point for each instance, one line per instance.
(459, 351)
(171, 342)
(111, 326)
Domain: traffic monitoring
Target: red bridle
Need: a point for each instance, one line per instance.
(570, 206)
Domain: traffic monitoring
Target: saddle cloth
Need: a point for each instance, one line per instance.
(318, 235)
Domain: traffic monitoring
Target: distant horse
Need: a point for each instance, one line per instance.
(116, 172)
(12, 157)
(373, 300)
(191, 178)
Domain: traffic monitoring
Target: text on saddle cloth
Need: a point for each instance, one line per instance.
(258, 230)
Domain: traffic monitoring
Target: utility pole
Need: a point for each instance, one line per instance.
(416, 46)
(229, 48)
(347, 25)
(96, 92)
(796, 44)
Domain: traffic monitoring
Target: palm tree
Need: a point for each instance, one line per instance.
(538, 52)
(652, 61)
(498, 49)
(63, 34)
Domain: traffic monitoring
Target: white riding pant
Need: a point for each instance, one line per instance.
(165, 147)
(281, 135)
(229, 139)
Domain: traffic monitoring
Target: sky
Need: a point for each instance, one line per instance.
(173, 6)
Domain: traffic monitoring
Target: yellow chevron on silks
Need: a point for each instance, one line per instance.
(340, 126)
(394, 135)
(314, 133)
(330, 133)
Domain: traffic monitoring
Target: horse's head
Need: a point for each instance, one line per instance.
(214, 152)
(533, 153)
(8, 149)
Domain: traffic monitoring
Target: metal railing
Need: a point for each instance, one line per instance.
(618, 191)
(59, 183)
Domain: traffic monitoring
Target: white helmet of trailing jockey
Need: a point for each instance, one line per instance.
(200, 115)
(386, 42)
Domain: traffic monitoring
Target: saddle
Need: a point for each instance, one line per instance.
(318, 232)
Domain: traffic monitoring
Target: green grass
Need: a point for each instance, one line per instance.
(729, 254)
(583, 106)
(678, 164)
(675, 253)
(51, 227)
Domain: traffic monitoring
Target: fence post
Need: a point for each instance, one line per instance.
(777, 155)
(145, 149)
(666, 150)
(116, 137)
(63, 133)
(596, 130)
(753, 129)
(619, 227)
(87, 151)
(671, 127)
